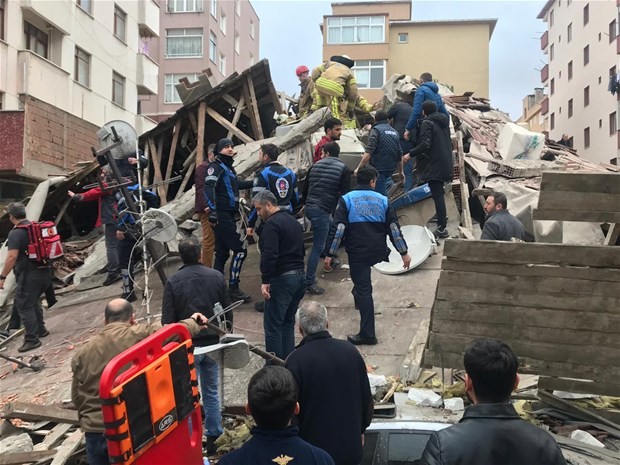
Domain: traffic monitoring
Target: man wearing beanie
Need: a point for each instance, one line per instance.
(222, 196)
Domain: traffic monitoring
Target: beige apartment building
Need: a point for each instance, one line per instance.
(382, 39)
(66, 68)
(583, 49)
(532, 118)
(219, 35)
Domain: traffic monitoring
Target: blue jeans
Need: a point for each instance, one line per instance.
(96, 449)
(286, 291)
(208, 375)
(384, 182)
(321, 224)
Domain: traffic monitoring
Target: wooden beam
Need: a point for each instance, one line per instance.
(68, 447)
(200, 140)
(581, 215)
(186, 178)
(228, 125)
(53, 436)
(237, 115)
(467, 223)
(35, 412)
(612, 234)
(172, 154)
(17, 458)
(578, 385)
(193, 122)
(412, 365)
(582, 413)
(250, 96)
(604, 183)
(156, 160)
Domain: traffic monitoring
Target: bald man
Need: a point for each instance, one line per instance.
(120, 333)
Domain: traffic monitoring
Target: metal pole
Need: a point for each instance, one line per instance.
(145, 262)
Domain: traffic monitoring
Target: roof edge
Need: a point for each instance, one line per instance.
(545, 8)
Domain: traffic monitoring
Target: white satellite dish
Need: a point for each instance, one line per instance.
(159, 225)
(420, 243)
(125, 132)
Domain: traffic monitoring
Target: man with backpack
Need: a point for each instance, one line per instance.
(33, 276)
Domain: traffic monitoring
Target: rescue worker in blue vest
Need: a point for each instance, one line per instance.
(364, 217)
(222, 196)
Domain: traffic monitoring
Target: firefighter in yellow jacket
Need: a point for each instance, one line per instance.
(335, 85)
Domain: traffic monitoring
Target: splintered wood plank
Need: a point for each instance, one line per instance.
(251, 98)
(228, 125)
(579, 215)
(238, 112)
(35, 412)
(603, 183)
(200, 141)
(53, 436)
(172, 154)
(612, 234)
(156, 160)
(16, 458)
(68, 447)
(412, 365)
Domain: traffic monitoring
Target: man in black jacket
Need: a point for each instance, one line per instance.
(500, 224)
(195, 288)
(491, 431)
(434, 159)
(399, 114)
(282, 273)
(328, 179)
(320, 357)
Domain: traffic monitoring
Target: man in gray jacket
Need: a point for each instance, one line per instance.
(500, 224)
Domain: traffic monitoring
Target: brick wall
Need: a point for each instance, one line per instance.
(55, 137)
(11, 141)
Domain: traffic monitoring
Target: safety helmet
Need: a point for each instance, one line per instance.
(301, 69)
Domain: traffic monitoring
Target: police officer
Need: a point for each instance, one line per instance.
(222, 196)
(364, 217)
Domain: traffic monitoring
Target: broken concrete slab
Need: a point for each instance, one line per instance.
(17, 443)
(303, 130)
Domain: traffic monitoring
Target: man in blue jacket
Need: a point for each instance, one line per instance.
(428, 90)
(365, 217)
(272, 402)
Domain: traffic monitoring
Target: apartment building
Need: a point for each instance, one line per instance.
(583, 49)
(382, 39)
(219, 35)
(532, 118)
(66, 68)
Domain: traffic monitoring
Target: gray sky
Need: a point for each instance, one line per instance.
(290, 36)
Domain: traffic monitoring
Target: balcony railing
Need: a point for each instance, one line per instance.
(148, 18)
(57, 13)
(544, 40)
(544, 74)
(147, 75)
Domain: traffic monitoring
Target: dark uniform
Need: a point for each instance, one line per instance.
(31, 281)
(281, 182)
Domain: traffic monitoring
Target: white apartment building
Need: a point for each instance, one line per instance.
(66, 68)
(582, 44)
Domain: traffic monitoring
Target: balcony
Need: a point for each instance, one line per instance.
(148, 18)
(544, 106)
(58, 13)
(618, 43)
(544, 41)
(42, 79)
(544, 74)
(146, 78)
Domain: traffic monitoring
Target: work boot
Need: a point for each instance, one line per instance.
(259, 306)
(361, 341)
(29, 345)
(44, 332)
(131, 297)
(315, 290)
(236, 294)
(441, 233)
(111, 278)
(335, 264)
(210, 446)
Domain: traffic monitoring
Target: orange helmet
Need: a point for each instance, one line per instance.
(301, 69)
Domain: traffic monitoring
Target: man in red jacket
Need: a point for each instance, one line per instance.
(106, 217)
(333, 129)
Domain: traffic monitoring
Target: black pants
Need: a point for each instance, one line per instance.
(30, 286)
(438, 194)
(227, 239)
(126, 265)
(362, 295)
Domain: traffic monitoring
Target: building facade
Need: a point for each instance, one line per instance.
(66, 68)
(383, 40)
(219, 35)
(582, 45)
(532, 118)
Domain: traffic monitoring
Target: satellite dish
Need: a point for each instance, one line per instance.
(159, 225)
(420, 243)
(125, 132)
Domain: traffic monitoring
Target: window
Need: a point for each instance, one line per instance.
(171, 80)
(560, 38)
(560, 74)
(403, 37)
(613, 30)
(586, 14)
(35, 40)
(120, 20)
(586, 96)
(118, 89)
(86, 5)
(552, 86)
(237, 7)
(356, 30)
(551, 53)
(183, 43)
(600, 123)
(1, 19)
(223, 23)
(369, 74)
(569, 32)
(552, 121)
(613, 124)
(600, 80)
(586, 55)
(185, 6)
(222, 65)
(570, 108)
(252, 31)
(570, 70)
(213, 47)
(237, 42)
(81, 71)
(551, 17)
(214, 8)
(252, 60)
(586, 137)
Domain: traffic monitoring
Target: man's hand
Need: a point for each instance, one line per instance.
(250, 232)
(207, 210)
(212, 219)
(2, 283)
(406, 135)
(200, 318)
(120, 235)
(264, 289)
(71, 193)
(132, 161)
(406, 158)
(328, 261)
(355, 172)
(406, 261)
